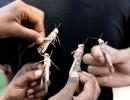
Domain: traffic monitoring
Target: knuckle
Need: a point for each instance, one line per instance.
(94, 51)
(42, 14)
(104, 81)
(19, 5)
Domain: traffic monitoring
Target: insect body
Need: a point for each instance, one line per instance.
(47, 63)
(78, 54)
(46, 70)
(48, 40)
(106, 55)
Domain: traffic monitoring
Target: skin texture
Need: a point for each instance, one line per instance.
(12, 16)
(97, 66)
(26, 85)
(90, 89)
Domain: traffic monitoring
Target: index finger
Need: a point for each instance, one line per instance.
(36, 17)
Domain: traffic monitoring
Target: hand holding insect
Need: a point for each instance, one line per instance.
(119, 58)
(50, 39)
(90, 91)
(77, 54)
(46, 70)
(105, 53)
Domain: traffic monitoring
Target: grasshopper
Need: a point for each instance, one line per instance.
(50, 39)
(105, 53)
(77, 55)
(46, 70)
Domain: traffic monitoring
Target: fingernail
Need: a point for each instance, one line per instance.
(31, 96)
(38, 73)
(89, 68)
(33, 83)
(39, 40)
(30, 91)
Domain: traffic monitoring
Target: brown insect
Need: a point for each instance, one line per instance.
(77, 55)
(105, 53)
(50, 39)
(46, 70)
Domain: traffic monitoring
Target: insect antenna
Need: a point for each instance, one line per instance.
(101, 35)
(94, 38)
(58, 25)
(51, 53)
(85, 41)
(55, 65)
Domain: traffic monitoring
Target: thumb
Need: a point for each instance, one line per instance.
(115, 55)
(28, 34)
(67, 92)
(72, 84)
(28, 77)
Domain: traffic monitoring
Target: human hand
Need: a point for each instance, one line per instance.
(121, 63)
(90, 90)
(24, 80)
(12, 16)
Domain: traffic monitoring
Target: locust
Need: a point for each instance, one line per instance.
(105, 53)
(77, 55)
(50, 39)
(46, 70)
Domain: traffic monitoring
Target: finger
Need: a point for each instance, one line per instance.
(40, 66)
(28, 77)
(34, 83)
(72, 83)
(84, 77)
(68, 91)
(31, 96)
(97, 54)
(36, 16)
(109, 81)
(89, 87)
(115, 55)
(39, 88)
(28, 34)
(99, 70)
(31, 66)
(30, 91)
(40, 94)
(97, 90)
(104, 81)
(89, 59)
